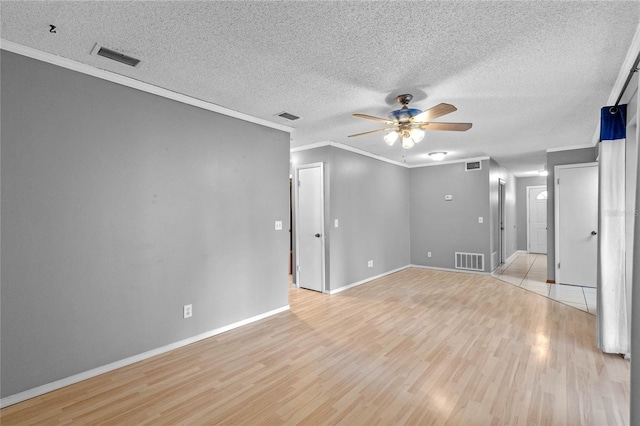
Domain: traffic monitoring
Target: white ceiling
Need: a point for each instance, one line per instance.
(529, 75)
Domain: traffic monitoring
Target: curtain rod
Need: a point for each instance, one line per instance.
(633, 69)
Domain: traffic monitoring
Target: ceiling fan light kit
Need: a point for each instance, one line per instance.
(391, 137)
(410, 123)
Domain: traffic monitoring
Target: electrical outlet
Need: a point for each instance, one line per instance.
(278, 225)
(188, 311)
(370, 264)
(336, 223)
(428, 254)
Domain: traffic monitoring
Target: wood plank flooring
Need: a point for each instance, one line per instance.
(415, 347)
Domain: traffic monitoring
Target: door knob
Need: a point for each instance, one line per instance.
(594, 233)
(317, 235)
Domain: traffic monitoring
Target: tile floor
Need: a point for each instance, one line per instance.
(529, 271)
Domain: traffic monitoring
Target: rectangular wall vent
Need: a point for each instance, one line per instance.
(116, 56)
(288, 116)
(470, 261)
(472, 165)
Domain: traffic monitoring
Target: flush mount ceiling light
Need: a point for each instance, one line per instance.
(543, 172)
(438, 156)
(410, 123)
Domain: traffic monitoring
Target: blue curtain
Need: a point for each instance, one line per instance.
(613, 123)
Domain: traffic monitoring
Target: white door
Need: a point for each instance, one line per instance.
(576, 196)
(537, 219)
(310, 227)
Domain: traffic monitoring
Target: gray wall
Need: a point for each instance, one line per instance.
(445, 227)
(370, 199)
(119, 207)
(574, 156)
(521, 207)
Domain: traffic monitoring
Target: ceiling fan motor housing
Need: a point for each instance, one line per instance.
(404, 115)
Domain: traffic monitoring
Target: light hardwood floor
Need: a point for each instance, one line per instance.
(415, 347)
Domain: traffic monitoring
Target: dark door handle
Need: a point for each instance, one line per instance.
(317, 235)
(594, 233)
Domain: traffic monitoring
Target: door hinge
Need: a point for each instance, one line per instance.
(558, 265)
(298, 268)
(558, 181)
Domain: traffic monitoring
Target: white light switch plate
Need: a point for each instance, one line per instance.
(278, 225)
(480, 219)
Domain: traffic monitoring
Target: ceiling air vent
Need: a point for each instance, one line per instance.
(116, 56)
(472, 165)
(288, 116)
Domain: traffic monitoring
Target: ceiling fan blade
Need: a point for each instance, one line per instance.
(370, 131)
(457, 127)
(371, 117)
(435, 112)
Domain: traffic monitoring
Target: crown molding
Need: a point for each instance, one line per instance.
(569, 148)
(310, 146)
(441, 163)
(347, 148)
(377, 157)
(70, 64)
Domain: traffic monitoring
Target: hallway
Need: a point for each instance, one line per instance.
(529, 271)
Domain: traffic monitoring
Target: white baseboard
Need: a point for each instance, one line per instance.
(508, 260)
(40, 390)
(514, 255)
(348, 286)
(460, 271)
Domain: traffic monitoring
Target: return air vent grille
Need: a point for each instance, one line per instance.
(470, 261)
(288, 116)
(116, 56)
(472, 165)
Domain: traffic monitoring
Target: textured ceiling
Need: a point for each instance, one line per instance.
(529, 75)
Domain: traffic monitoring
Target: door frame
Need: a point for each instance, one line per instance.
(502, 219)
(529, 212)
(296, 214)
(556, 210)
